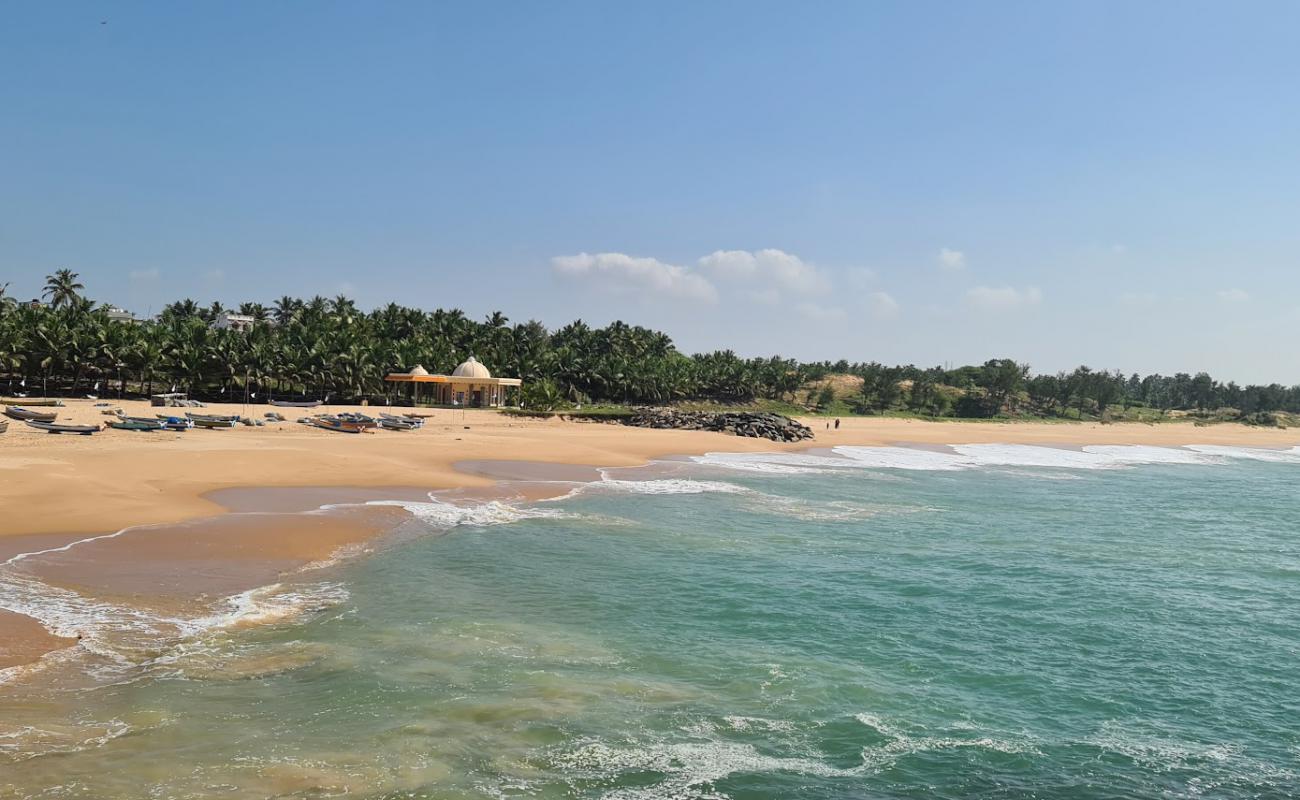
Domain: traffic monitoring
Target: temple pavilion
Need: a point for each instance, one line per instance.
(470, 384)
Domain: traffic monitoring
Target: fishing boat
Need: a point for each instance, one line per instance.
(52, 427)
(231, 418)
(395, 423)
(33, 401)
(136, 424)
(360, 420)
(212, 424)
(334, 424)
(26, 414)
(175, 423)
(296, 403)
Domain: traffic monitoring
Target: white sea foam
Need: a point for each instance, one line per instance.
(1290, 456)
(900, 458)
(115, 636)
(972, 456)
(441, 514)
(777, 463)
(269, 604)
(665, 486)
(62, 549)
(690, 766)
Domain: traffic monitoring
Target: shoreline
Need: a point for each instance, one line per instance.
(67, 485)
(168, 506)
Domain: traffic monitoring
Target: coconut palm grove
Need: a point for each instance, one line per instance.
(67, 344)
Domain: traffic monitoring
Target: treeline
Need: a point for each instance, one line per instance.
(1002, 386)
(322, 347)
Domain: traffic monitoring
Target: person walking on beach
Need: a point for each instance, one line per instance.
(837, 423)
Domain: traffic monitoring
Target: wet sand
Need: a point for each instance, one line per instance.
(23, 640)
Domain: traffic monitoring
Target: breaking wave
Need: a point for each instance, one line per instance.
(974, 456)
(440, 514)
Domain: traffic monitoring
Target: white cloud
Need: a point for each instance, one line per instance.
(621, 272)
(882, 304)
(143, 274)
(952, 260)
(820, 313)
(1003, 298)
(1234, 295)
(785, 270)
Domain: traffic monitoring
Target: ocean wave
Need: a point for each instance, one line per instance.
(690, 767)
(441, 514)
(773, 463)
(110, 638)
(664, 486)
(975, 456)
(29, 741)
(1290, 456)
(1221, 763)
(270, 604)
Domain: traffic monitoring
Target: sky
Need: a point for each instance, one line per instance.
(1105, 183)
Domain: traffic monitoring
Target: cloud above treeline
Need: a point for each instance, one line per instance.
(769, 277)
(623, 273)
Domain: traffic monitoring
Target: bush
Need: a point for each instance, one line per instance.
(542, 395)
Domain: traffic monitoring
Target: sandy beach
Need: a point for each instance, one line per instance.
(61, 484)
(178, 486)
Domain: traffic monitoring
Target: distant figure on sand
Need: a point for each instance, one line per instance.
(837, 423)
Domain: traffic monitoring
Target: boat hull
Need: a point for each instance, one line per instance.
(50, 427)
(25, 415)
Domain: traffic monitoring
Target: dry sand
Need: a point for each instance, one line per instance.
(56, 488)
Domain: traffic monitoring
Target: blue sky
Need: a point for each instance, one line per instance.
(1114, 184)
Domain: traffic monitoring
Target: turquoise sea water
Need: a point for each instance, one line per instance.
(1003, 623)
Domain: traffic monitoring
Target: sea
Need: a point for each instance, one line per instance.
(979, 621)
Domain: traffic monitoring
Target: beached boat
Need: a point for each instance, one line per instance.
(296, 403)
(392, 423)
(231, 418)
(25, 414)
(213, 424)
(52, 427)
(46, 402)
(174, 423)
(334, 424)
(136, 424)
(360, 420)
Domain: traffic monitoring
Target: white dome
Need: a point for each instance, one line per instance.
(418, 372)
(471, 369)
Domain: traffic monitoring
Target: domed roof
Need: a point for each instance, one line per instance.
(418, 372)
(471, 369)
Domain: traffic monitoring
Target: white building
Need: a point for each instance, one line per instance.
(117, 314)
(227, 320)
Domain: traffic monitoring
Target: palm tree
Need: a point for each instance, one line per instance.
(62, 288)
